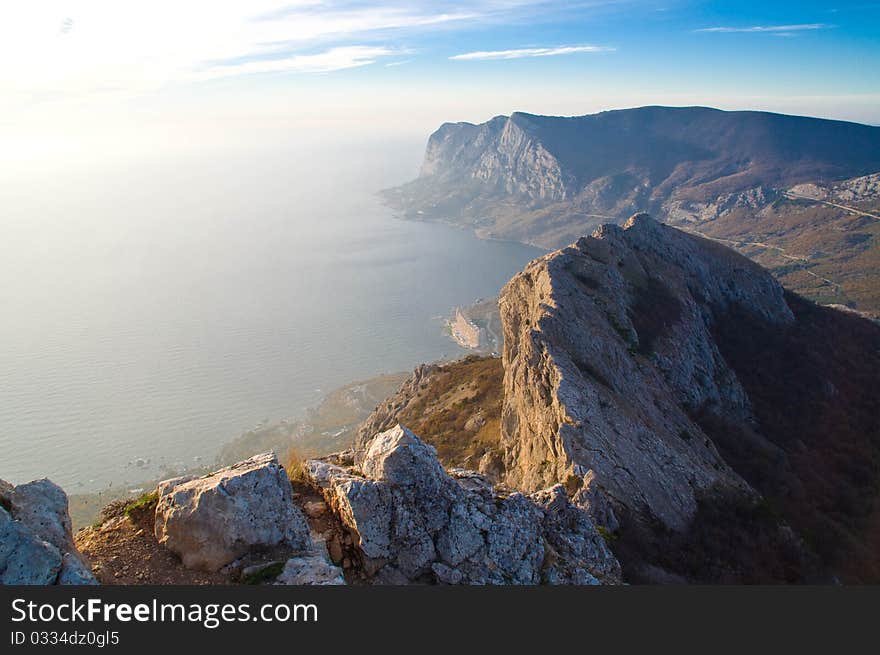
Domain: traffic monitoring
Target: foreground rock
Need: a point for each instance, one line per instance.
(210, 521)
(36, 543)
(312, 568)
(413, 521)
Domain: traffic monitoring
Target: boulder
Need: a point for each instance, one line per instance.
(36, 542)
(42, 505)
(25, 559)
(416, 522)
(210, 521)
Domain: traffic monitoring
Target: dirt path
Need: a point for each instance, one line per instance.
(797, 196)
(779, 250)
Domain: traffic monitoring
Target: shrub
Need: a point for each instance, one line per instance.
(296, 470)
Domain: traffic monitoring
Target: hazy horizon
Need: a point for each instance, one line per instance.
(87, 81)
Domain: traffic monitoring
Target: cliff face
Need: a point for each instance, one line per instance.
(504, 154)
(608, 352)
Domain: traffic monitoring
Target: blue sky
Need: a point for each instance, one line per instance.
(182, 68)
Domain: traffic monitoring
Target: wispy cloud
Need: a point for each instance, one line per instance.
(520, 53)
(333, 59)
(767, 29)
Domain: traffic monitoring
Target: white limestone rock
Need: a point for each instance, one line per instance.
(212, 520)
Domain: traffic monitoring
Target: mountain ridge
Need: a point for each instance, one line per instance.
(546, 180)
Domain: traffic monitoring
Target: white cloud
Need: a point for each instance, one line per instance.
(76, 48)
(771, 29)
(519, 53)
(328, 61)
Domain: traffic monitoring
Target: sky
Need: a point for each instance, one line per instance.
(89, 78)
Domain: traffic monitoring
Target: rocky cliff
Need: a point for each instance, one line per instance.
(610, 163)
(626, 367)
(607, 349)
(388, 514)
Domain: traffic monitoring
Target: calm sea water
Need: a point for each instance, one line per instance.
(156, 309)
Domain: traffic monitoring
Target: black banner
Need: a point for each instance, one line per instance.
(226, 619)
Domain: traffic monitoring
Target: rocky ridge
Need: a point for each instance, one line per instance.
(649, 371)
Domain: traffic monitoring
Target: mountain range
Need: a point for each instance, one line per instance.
(800, 195)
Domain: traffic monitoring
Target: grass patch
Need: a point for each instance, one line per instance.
(265, 574)
(294, 464)
(144, 504)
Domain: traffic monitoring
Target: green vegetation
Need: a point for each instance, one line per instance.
(144, 504)
(265, 574)
(608, 536)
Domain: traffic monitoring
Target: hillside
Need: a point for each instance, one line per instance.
(455, 407)
(549, 180)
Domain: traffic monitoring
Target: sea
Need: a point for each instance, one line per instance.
(153, 308)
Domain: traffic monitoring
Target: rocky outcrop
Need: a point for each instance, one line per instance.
(608, 355)
(212, 520)
(414, 521)
(36, 543)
